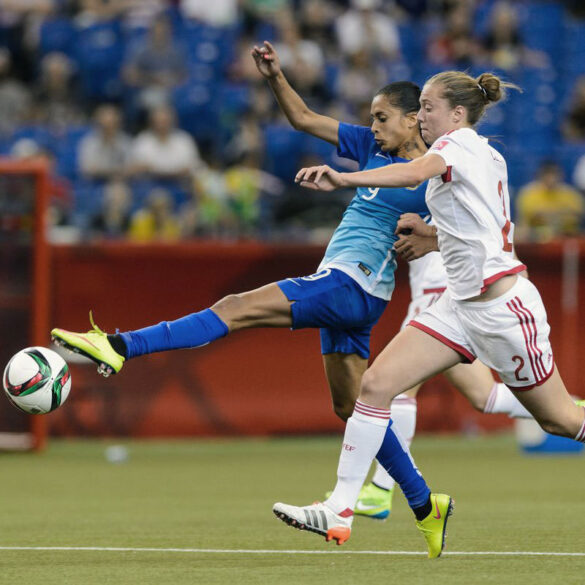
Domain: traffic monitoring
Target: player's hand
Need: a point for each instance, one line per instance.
(412, 223)
(412, 246)
(321, 178)
(266, 60)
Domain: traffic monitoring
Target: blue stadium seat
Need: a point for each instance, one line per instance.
(37, 133)
(197, 110)
(283, 151)
(67, 150)
(99, 51)
(57, 34)
(87, 198)
(567, 155)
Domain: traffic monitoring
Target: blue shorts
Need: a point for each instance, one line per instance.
(338, 305)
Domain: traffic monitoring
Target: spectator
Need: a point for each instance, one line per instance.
(163, 151)
(574, 124)
(359, 78)
(140, 14)
(248, 187)
(579, 174)
(158, 65)
(456, 45)
(503, 44)
(156, 221)
(302, 59)
(104, 152)
(57, 102)
(19, 25)
(548, 208)
(15, 99)
(113, 221)
(217, 13)
(317, 23)
(365, 27)
(95, 11)
(258, 13)
(208, 213)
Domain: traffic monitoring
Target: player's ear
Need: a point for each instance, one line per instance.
(411, 120)
(459, 113)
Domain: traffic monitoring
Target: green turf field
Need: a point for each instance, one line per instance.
(218, 496)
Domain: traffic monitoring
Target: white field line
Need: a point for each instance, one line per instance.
(520, 553)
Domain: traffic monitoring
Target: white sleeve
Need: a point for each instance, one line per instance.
(447, 148)
(579, 174)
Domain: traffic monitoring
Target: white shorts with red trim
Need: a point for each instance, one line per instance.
(509, 334)
(422, 302)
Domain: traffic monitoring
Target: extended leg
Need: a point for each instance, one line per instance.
(476, 382)
(264, 307)
(369, 432)
(554, 409)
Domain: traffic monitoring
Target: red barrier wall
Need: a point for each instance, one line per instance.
(266, 381)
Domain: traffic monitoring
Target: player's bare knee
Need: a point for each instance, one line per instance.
(373, 385)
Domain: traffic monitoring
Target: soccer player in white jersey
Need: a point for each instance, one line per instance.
(428, 281)
(487, 311)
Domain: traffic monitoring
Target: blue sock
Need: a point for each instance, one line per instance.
(190, 331)
(395, 458)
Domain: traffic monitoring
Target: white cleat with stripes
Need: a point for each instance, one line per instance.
(317, 518)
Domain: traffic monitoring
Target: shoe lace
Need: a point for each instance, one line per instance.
(95, 327)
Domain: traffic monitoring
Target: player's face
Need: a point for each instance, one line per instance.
(435, 114)
(391, 128)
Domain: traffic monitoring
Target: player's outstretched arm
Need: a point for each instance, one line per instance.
(297, 112)
(415, 172)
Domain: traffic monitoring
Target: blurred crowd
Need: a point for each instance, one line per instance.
(157, 125)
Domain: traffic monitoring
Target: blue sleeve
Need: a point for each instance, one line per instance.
(355, 142)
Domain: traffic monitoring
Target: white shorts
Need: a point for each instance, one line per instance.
(419, 304)
(508, 334)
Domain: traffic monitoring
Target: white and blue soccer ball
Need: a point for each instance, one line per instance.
(37, 380)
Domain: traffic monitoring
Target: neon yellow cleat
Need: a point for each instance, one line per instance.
(434, 526)
(374, 502)
(94, 345)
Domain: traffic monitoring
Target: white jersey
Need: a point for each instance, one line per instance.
(470, 206)
(427, 275)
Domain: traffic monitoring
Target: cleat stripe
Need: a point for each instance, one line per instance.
(314, 519)
(324, 522)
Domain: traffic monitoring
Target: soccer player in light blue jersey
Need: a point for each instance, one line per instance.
(352, 285)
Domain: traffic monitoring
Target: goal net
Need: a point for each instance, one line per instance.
(24, 284)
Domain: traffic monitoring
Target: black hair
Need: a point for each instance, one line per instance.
(403, 95)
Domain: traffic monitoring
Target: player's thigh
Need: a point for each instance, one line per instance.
(552, 406)
(475, 381)
(410, 358)
(344, 373)
(266, 306)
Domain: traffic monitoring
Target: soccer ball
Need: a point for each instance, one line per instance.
(37, 380)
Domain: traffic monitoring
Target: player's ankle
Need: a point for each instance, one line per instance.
(118, 344)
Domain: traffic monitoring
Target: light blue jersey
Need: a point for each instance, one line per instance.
(362, 246)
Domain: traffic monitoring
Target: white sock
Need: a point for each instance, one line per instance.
(403, 409)
(502, 400)
(581, 434)
(363, 438)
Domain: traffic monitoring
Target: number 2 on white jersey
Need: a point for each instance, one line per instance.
(506, 229)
